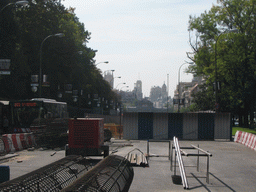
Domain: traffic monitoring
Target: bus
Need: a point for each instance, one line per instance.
(37, 115)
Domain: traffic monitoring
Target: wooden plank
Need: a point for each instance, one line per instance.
(133, 159)
(139, 159)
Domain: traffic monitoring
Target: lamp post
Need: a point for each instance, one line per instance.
(22, 3)
(101, 62)
(120, 84)
(40, 69)
(123, 87)
(120, 106)
(179, 84)
(113, 80)
(216, 73)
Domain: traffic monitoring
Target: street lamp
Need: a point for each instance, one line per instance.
(113, 80)
(120, 84)
(189, 63)
(120, 106)
(40, 72)
(216, 73)
(22, 3)
(123, 87)
(101, 62)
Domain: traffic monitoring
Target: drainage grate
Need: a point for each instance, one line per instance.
(52, 177)
(112, 174)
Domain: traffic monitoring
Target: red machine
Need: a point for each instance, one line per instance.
(86, 137)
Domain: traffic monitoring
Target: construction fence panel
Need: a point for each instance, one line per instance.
(145, 126)
(206, 126)
(190, 126)
(223, 126)
(160, 126)
(130, 124)
(175, 125)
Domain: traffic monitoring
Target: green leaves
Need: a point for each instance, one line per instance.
(232, 53)
(64, 60)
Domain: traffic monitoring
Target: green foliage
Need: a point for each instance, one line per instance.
(203, 100)
(235, 129)
(24, 31)
(233, 54)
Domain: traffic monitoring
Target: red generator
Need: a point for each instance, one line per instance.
(86, 137)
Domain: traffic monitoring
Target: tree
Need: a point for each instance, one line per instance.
(232, 54)
(65, 60)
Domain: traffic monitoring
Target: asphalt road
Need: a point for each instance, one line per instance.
(232, 166)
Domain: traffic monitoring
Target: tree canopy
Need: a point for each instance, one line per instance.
(223, 42)
(66, 60)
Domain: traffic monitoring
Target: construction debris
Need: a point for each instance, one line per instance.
(137, 159)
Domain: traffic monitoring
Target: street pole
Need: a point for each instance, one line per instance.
(40, 67)
(167, 91)
(189, 63)
(121, 112)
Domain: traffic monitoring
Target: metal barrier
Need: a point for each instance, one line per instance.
(112, 174)
(183, 153)
(52, 177)
(180, 162)
(162, 141)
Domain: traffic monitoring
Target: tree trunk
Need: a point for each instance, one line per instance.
(252, 117)
(246, 122)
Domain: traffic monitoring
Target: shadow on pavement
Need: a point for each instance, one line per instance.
(207, 188)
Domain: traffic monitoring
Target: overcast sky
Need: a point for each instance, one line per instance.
(141, 39)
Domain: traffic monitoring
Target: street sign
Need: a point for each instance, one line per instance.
(5, 66)
(5, 72)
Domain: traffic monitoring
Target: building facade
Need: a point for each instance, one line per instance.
(138, 90)
(183, 95)
(158, 96)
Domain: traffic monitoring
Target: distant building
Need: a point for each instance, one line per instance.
(155, 93)
(158, 96)
(108, 76)
(186, 91)
(138, 90)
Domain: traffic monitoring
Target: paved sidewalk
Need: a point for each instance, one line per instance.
(232, 166)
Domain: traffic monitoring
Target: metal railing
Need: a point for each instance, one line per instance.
(159, 141)
(180, 162)
(52, 177)
(198, 154)
(112, 174)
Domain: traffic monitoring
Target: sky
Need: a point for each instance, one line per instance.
(143, 40)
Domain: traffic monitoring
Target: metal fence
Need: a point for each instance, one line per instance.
(113, 174)
(52, 177)
(163, 126)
